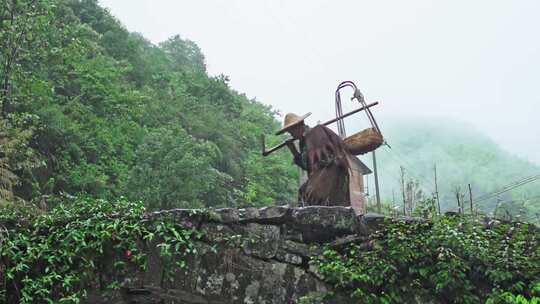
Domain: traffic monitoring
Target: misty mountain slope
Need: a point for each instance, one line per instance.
(462, 154)
(100, 111)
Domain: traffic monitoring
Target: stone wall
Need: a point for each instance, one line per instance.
(268, 261)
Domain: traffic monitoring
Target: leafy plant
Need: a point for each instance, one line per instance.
(54, 257)
(451, 260)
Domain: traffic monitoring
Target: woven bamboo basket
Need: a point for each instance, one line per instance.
(364, 141)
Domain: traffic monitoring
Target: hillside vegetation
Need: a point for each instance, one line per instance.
(88, 107)
(463, 155)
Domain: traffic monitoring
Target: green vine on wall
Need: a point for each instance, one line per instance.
(85, 244)
(56, 257)
(449, 260)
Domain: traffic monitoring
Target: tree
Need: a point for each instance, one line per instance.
(15, 156)
(23, 26)
(173, 170)
(184, 55)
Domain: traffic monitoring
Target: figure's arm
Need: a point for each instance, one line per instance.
(339, 151)
(297, 156)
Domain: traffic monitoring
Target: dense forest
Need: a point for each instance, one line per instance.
(90, 108)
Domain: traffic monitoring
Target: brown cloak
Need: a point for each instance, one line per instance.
(325, 158)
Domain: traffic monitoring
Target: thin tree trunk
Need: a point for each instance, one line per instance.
(458, 203)
(470, 199)
(403, 189)
(437, 190)
(377, 195)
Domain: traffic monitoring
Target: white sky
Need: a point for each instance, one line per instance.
(476, 61)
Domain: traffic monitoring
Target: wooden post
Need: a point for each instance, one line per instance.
(394, 203)
(403, 188)
(458, 203)
(437, 189)
(376, 182)
(470, 199)
(462, 200)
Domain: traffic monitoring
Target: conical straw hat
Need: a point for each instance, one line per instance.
(291, 120)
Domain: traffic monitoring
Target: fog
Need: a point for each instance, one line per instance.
(473, 61)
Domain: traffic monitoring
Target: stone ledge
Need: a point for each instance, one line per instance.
(268, 261)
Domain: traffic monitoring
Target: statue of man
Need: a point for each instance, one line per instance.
(324, 156)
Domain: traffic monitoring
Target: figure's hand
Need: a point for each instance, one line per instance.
(290, 143)
(292, 147)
